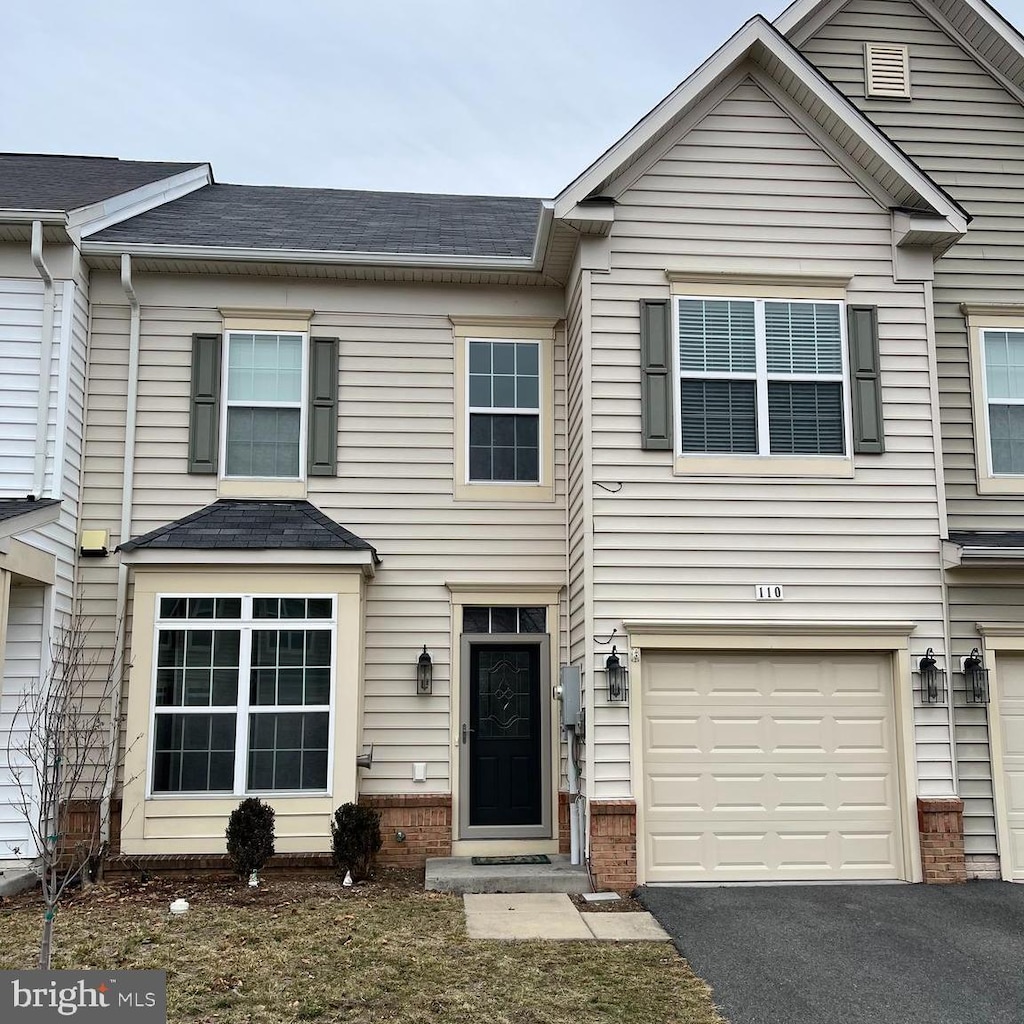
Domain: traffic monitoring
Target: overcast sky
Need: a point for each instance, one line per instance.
(512, 97)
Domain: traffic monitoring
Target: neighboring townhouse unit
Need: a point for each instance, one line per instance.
(373, 467)
(47, 205)
(944, 79)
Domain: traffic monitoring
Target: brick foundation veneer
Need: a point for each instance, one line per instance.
(613, 844)
(426, 820)
(940, 821)
(564, 840)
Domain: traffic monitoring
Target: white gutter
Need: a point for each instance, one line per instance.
(254, 255)
(45, 360)
(48, 217)
(990, 556)
(127, 493)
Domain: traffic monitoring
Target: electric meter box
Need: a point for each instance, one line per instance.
(570, 680)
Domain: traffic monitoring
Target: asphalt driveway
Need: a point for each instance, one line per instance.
(853, 954)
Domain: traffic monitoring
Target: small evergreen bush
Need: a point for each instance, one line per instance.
(355, 840)
(250, 836)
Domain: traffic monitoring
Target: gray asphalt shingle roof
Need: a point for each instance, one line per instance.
(234, 524)
(983, 539)
(338, 220)
(11, 508)
(36, 181)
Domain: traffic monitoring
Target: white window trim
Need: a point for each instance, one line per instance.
(481, 410)
(244, 625)
(763, 462)
(980, 323)
(269, 483)
(540, 330)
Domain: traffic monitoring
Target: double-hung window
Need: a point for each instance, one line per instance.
(264, 415)
(1003, 353)
(504, 411)
(761, 377)
(242, 699)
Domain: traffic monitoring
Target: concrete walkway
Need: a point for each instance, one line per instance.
(541, 915)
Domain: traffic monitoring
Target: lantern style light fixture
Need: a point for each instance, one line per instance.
(975, 678)
(618, 678)
(932, 679)
(424, 673)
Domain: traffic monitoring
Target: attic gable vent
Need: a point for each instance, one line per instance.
(888, 70)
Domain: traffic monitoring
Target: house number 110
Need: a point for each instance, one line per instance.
(769, 592)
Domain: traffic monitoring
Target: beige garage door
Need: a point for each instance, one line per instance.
(1011, 724)
(771, 766)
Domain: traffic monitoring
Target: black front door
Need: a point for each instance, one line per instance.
(505, 740)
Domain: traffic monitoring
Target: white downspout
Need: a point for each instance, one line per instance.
(127, 493)
(45, 359)
(575, 835)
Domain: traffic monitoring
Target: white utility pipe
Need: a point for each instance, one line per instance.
(45, 361)
(127, 492)
(575, 852)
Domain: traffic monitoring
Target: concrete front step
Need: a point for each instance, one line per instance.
(460, 875)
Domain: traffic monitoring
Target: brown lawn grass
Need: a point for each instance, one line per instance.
(304, 949)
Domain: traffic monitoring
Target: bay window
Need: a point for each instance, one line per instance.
(243, 694)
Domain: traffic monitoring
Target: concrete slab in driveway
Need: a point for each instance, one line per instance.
(854, 954)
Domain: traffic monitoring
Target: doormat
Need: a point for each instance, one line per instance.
(532, 858)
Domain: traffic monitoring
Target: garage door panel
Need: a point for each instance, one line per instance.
(766, 732)
(803, 787)
(1010, 713)
(786, 852)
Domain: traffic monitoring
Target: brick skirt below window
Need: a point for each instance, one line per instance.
(424, 818)
(941, 824)
(613, 844)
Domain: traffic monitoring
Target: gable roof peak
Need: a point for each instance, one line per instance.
(760, 43)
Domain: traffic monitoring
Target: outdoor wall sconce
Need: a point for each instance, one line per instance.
(975, 678)
(424, 673)
(932, 680)
(618, 678)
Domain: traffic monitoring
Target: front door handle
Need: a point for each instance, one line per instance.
(466, 731)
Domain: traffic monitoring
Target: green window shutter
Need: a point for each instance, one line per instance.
(865, 380)
(204, 411)
(323, 407)
(655, 374)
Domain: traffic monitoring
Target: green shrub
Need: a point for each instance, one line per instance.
(355, 840)
(250, 835)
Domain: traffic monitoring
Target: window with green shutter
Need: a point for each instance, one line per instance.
(264, 405)
(761, 377)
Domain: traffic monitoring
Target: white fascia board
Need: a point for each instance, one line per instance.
(254, 559)
(646, 129)
(997, 23)
(87, 220)
(253, 255)
(991, 556)
(758, 33)
(923, 229)
(540, 243)
(47, 217)
(803, 18)
(30, 520)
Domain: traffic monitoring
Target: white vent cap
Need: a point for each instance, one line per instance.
(887, 70)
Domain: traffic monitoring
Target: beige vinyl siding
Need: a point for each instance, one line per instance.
(967, 132)
(21, 388)
(577, 456)
(973, 598)
(395, 476)
(747, 190)
(20, 674)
